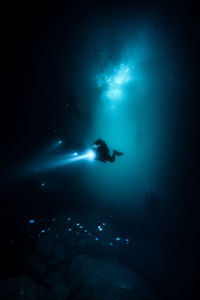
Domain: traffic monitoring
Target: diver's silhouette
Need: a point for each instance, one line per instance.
(103, 153)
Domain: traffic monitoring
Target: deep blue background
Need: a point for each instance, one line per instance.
(48, 57)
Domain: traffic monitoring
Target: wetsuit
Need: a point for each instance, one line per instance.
(103, 153)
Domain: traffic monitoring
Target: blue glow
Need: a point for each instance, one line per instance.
(112, 84)
(31, 221)
(55, 145)
(100, 228)
(62, 160)
(114, 93)
(76, 228)
(53, 219)
(122, 76)
(90, 154)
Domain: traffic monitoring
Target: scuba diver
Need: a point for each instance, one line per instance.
(103, 153)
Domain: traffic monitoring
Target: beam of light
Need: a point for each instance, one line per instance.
(54, 146)
(121, 76)
(90, 154)
(113, 84)
(114, 93)
(63, 160)
(59, 142)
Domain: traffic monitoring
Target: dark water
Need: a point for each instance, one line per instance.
(127, 74)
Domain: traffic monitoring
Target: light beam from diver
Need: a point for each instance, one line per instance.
(54, 146)
(63, 160)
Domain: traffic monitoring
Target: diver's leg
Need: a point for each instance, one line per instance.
(115, 152)
(110, 158)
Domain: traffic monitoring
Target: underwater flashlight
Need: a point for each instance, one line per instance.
(90, 154)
